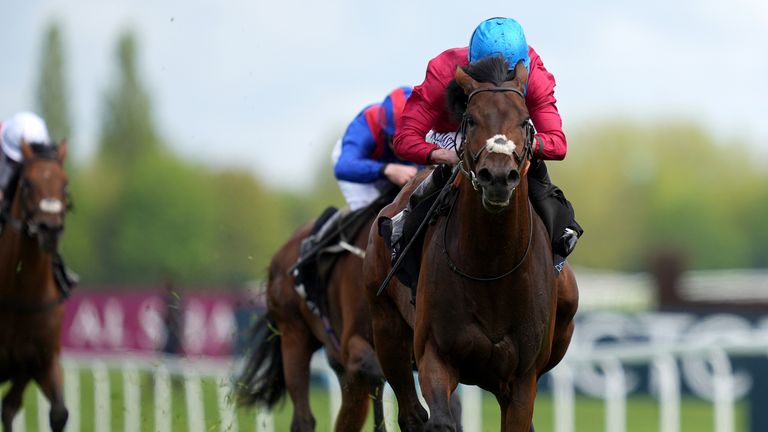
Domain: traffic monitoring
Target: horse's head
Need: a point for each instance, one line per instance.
(42, 192)
(495, 127)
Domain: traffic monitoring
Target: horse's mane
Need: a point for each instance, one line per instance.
(45, 151)
(493, 70)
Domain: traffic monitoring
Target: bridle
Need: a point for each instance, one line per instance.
(469, 171)
(470, 174)
(25, 224)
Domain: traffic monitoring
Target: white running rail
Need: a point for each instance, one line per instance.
(609, 361)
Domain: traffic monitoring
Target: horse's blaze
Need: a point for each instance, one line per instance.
(50, 205)
(500, 144)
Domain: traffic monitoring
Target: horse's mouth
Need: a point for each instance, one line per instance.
(494, 201)
(494, 206)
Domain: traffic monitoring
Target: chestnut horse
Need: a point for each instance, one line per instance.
(31, 303)
(489, 308)
(286, 337)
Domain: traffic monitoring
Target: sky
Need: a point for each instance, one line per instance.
(270, 86)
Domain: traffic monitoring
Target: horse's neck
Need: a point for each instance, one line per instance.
(493, 236)
(23, 261)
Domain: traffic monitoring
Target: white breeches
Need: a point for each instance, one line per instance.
(357, 195)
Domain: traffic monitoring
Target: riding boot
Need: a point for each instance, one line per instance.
(65, 278)
(306, 272)
(433, 183)
(9, 172)
(553, 209)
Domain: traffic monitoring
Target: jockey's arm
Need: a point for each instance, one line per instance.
(424, 107)
(549, 142)
(356, 163)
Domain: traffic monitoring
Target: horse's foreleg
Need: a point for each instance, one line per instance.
(438, 381)
(51, 383)
(393, 339)
(362, 375)
(12, 402)
(296, 347)
(567, 303)
(517, 405)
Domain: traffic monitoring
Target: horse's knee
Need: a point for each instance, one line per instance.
(58, 418)
(361, 360)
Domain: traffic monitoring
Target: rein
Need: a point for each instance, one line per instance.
(470, 174)
(464, 274)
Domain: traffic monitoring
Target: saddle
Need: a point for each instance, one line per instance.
(332, 236)
(404, 233)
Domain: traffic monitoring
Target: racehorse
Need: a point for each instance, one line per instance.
(286, 337)
(489, 308)
(31, 303)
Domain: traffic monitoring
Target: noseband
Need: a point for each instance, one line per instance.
(469, 171)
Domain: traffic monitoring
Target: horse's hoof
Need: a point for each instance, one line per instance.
(58, 419)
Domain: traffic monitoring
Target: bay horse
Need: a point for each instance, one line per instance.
(489, 308)
(30, 301)
(285, 338)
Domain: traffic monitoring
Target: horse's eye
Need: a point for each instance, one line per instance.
(470, 120)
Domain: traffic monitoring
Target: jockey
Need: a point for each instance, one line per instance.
(364, 162)
(28, 127)
(426, 115)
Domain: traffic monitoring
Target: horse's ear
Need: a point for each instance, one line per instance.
(26, 150)
(465, 81)
(521, 75)
(63, 147)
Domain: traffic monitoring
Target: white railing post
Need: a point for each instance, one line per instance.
(72, 394)
(132, 398)
(101, 395)
(264, 421)
(162, 400)
(669, 393)
(615, 396)
(227, 409)
(723, 389)
(334, 390)
(43, 407)
(390, 405)
(194, 397)
(471, 408)
(564, 398)
(20, 421)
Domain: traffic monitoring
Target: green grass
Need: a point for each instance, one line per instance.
(642, 411)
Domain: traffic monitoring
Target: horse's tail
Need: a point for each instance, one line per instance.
(261, 380)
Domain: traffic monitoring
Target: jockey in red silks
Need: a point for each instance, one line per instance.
(427, 130)
(30, 128)
(364, 163)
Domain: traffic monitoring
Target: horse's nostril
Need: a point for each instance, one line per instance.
(513, 178)
(484, 176)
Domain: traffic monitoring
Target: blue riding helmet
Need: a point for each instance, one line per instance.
(392, 109)
(500, 36)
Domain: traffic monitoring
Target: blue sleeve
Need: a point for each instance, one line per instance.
(355, 164)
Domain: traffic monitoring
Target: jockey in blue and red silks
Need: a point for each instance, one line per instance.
(364, 162)
(426, 115)
(30, 128)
